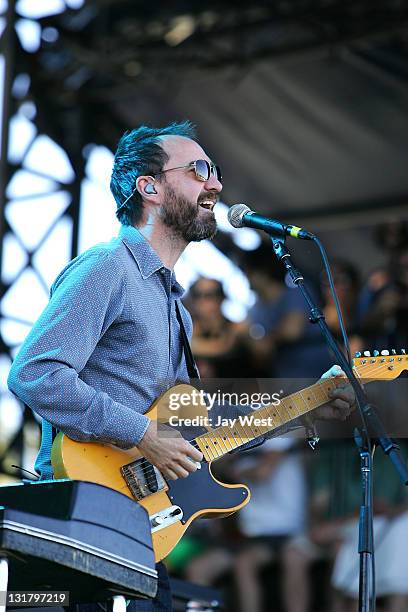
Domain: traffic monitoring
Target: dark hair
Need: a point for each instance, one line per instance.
(344, 268)
(391, 235)
(262, 260)
(218, 289)
(140, 152)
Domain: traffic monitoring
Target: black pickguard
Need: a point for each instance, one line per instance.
(200, 491)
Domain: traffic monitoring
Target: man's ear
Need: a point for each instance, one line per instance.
(145, 186)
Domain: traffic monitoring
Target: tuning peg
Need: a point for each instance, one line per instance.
(402, 351)
(393, 352)
(367, 354)
(357, 354)
(376, 353)
(385, 352)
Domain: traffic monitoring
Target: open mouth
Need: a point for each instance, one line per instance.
(207, 204)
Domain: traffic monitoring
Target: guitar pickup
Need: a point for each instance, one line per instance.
(165, 517)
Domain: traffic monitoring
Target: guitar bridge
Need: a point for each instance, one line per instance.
(142, 478)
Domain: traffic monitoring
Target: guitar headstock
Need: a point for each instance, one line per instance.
(380, 365)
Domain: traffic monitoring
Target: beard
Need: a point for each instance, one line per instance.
(185, 218)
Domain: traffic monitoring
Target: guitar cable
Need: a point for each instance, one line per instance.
(346, 344)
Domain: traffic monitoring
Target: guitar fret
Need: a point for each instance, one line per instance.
(284, 410)
(228, 442)
(224, 439)
(306, 401)
(321, 386)
(205, 447)
(313, 395)
(231, 439)
(213, 444)
(237, 435)
(289, 407)
(295, 409)
(216, 447)
(272, 413)
(254, 432)
(245, 431)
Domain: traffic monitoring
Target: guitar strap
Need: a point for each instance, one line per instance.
(194, 374)
(188, 354)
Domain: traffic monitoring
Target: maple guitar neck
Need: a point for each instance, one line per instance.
(225, 438)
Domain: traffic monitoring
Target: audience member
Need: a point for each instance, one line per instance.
(384, 305)
(276, 512)
(278, 323)
(334, 505)
(346, 282)
(220, 346)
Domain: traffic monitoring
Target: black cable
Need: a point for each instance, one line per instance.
(373, 593)
(335, 298)
(362, 415)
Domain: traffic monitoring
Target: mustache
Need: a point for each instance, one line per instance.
(208, 197)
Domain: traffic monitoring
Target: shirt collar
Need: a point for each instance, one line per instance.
(145, 256)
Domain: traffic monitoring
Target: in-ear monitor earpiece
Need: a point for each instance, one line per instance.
(149, 189)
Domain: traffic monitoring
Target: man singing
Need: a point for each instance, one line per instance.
(108, 343)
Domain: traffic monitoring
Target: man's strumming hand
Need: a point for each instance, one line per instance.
(167, 450)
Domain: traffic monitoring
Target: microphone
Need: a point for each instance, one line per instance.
(240, 215)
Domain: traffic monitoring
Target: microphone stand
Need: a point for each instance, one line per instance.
(371, 426)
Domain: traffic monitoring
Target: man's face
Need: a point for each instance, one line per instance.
(187, 202)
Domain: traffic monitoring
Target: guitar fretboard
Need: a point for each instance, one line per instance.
(225, 438)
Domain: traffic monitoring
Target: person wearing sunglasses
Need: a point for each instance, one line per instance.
(109, 341)
(176, 193)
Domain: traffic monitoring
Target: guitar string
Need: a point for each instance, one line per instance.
(145, 465)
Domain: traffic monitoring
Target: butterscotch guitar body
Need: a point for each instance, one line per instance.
(172, 505)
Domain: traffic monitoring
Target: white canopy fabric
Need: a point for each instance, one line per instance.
(307, 136)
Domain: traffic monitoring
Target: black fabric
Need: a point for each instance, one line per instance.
(161, 603)
(188, 354)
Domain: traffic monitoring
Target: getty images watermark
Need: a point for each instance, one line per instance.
(196, 397)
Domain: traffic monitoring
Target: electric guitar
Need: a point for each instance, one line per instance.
(173, 505)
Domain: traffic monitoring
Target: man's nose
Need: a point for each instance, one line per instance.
(213, 184)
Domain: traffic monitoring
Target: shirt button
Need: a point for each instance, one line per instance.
(162, 271)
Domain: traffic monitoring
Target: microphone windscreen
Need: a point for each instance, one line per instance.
(236, 214)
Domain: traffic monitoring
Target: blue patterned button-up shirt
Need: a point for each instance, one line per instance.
(105, 347)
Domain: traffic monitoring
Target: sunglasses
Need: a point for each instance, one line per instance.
(202, 168)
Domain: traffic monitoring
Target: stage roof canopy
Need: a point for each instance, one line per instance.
(303, 103)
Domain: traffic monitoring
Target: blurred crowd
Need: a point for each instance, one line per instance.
(294, 547)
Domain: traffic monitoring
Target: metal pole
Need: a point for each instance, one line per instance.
(7, 48)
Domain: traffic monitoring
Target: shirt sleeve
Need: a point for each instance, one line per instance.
(85, 300)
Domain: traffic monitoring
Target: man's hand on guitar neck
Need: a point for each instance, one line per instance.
(343, 400)
(167, 450)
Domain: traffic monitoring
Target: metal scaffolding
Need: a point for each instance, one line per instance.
(20, 93)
